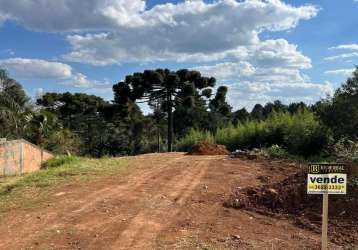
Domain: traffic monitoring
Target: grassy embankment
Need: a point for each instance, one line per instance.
(32, 189)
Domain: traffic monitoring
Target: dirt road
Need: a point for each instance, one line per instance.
(170, 201)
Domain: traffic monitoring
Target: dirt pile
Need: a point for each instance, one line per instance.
(205, 148)
(289, 198)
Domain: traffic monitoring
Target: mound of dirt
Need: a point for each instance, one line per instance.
(289, 198)
(205, 148)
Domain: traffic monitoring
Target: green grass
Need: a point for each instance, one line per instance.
(186, 243)
(59, 161)
(31, 189)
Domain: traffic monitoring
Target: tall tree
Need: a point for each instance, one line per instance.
(162, 84)
(240, 115)
(340, 113)
(220, 110)
(13, 106)
(297, 106)
(257, 112)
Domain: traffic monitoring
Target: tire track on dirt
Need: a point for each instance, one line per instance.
(134, 183)
(64, 215)
(143, 229)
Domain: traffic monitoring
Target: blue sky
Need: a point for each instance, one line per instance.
(290, 50)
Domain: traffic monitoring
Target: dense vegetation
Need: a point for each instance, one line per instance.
(299, 133)
(182, 102)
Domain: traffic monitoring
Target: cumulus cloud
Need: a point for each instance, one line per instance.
(261, 81)
(24, 68)
(179, 31)
(340, 72)
(69, 15)
(228, 71)
(223, 35)
(36, 68)
(279, 53)
(271, 70)
(63, 15)
(247, 94)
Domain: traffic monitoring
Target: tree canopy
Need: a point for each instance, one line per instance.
(170, 88)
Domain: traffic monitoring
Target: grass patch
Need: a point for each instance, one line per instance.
(59, 161)
(186, 243)
(29, 189)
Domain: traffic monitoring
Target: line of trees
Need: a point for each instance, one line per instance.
(180, 101)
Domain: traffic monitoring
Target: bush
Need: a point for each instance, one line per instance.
(276, 151)
(299, 133)
(193, 137)
(244, 136)
(63, 141)
(346, 149)
(304, 135)
(59, 161)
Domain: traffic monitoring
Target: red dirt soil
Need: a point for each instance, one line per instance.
(205, 148)
(168, 201)
(289, 198)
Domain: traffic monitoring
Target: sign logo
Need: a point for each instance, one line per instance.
(326, 179)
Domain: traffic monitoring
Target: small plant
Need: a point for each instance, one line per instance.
(276, 151)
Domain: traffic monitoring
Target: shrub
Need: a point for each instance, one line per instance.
(276, 151)
(193, 137)
(63, 141)
(299, 133)
(245, 135)
(346, 149)
(306, 136)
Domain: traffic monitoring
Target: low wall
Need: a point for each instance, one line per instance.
(20, 156)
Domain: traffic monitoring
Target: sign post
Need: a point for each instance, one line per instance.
(325, 222)
(326, 179)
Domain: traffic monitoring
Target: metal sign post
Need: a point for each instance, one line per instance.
(326, 179)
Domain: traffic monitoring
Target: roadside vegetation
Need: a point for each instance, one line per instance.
(60, 170)
(186, 108)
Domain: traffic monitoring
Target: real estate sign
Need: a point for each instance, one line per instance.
(326, 179)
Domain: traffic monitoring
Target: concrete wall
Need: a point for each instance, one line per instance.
(10, 158)
(19, 157)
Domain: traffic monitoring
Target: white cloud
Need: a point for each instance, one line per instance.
(279, 53)
(351, 47)
(69, 15)
(224, 33)
(228, 71)
(80, 80)
(346, 46)
(247, 94)
(341, 56)
(341, 72)
(36, 69)
(260, 80)
(188, 30)
(24, 68)
(63, 15)
(271, 70)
